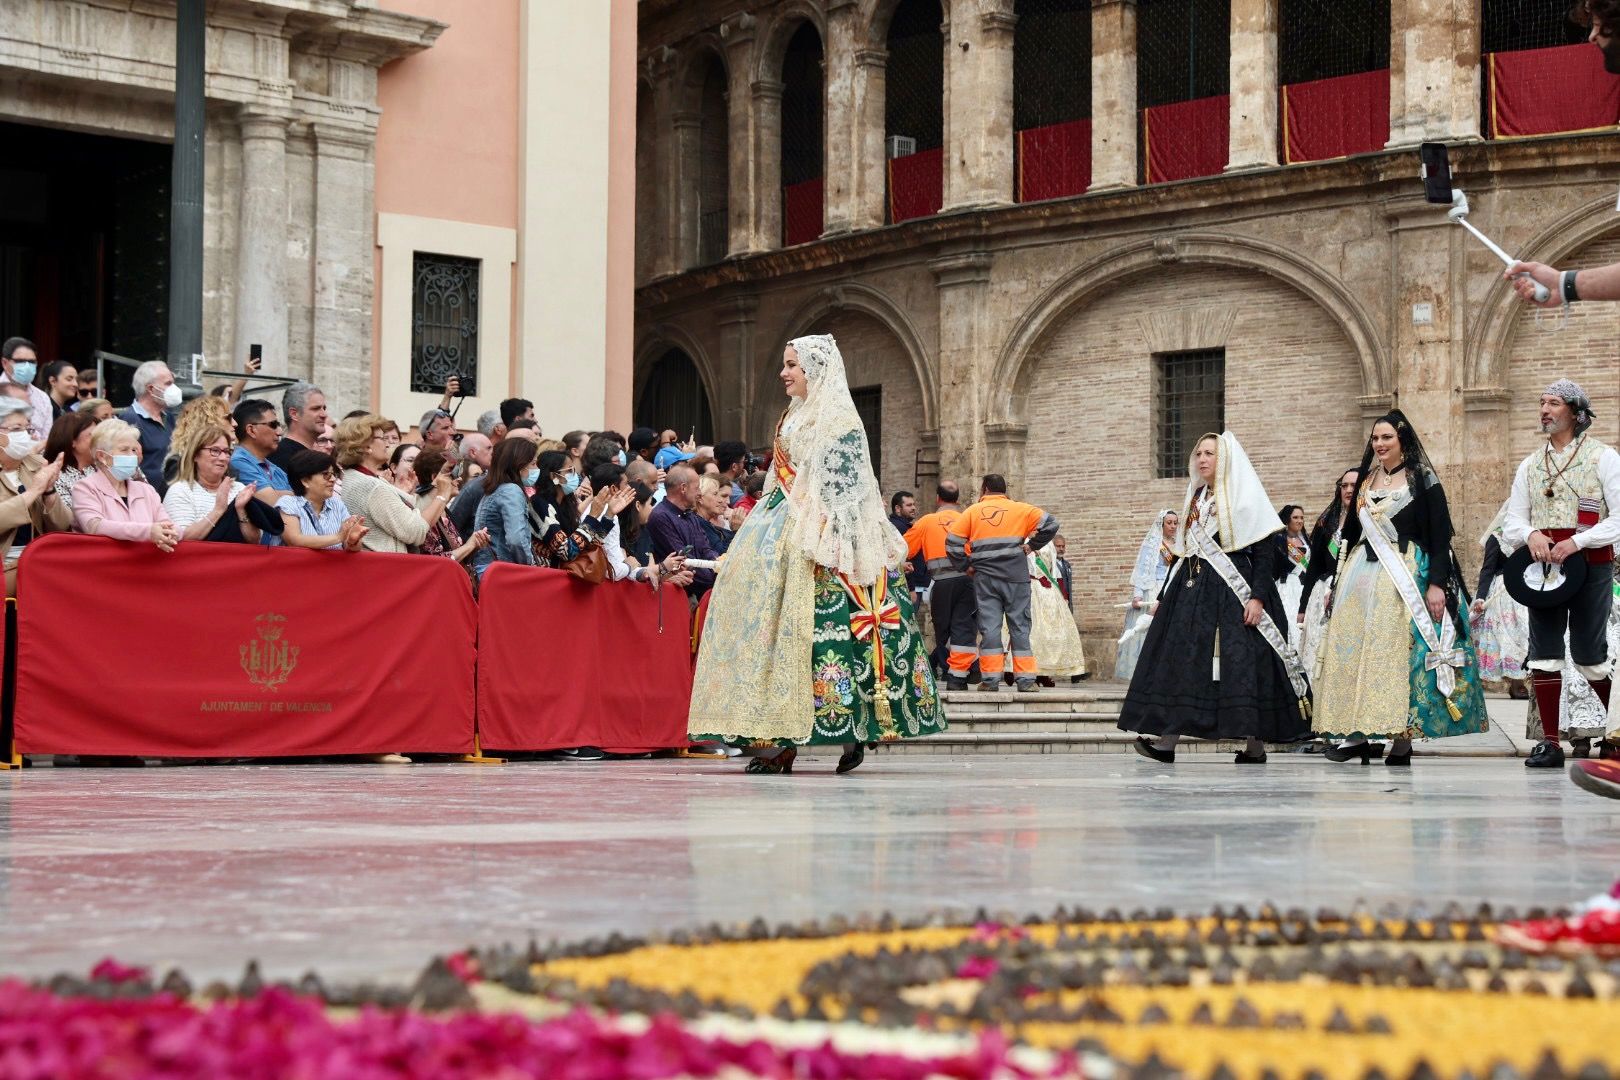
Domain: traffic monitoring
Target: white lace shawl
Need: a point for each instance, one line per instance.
(840, 521)
(1242, 506)
(1148, 573)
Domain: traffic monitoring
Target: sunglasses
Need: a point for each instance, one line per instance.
(85, 394)
(273, 425)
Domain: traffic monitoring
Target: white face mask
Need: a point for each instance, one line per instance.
(172, 396)
(18, 445)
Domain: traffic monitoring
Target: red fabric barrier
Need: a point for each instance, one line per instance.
(225, 650)
(1186, 139)
(916, 185)
(1551, 91)
(1334, 118)
(1054, 161)
(606, 678)
(802, 206)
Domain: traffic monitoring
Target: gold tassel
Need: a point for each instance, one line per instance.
(1451, 707)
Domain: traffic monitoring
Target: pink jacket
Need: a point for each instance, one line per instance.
(99, 511)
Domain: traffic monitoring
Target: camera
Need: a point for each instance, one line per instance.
(753, 463)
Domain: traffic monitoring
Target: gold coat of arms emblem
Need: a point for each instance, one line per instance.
(270, 659)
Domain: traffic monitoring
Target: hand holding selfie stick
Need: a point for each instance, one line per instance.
(1459, 214)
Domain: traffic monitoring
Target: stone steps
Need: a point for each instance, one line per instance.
(1072, 719)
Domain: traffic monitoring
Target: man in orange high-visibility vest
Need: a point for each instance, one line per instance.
(950, 598)
(991, 541)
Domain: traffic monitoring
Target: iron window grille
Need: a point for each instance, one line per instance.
(1190, 391)
(444, 323)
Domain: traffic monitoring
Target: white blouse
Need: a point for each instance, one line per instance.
(188, 502)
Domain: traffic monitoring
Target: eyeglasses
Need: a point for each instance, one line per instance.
(217, 451)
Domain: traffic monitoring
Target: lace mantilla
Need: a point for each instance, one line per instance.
(840, 523)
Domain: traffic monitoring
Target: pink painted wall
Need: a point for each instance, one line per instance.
(621, 266)
(447, 143)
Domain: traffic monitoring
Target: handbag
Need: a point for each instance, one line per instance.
(589, 565)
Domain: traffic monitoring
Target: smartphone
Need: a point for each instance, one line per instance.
(1436, 173)
(255, 352)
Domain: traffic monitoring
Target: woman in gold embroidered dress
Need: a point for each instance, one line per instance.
(810, 624)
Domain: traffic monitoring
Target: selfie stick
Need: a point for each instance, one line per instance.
(1459, 214)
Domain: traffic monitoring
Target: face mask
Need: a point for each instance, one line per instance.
(571, 484)
(123, 466)
(532, 477)
(19, 445)
(621, 458)
(23, 372)
(172, 396)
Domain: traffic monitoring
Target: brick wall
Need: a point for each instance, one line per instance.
(1291, 383)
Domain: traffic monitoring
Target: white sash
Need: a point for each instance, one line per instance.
(1211, 553)
(1444, 658)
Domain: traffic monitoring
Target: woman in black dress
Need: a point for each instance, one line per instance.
(1217, 663)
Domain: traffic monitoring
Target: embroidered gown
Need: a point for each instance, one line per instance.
(809, 657)
(1178, 687)
(1054, 637)
(1375, 680)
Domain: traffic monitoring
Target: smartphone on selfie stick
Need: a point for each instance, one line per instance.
(1437, 189)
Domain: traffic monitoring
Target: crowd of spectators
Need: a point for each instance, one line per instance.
(223, 467)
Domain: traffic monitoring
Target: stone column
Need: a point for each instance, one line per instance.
(855, 85)
(1429, 325)
(737, 372)
(767, 164)
(1004, 454)
(1434, 61)
(687, 126)
(261, 250)
(1252, 131)
(979, 106)
(1113, 94)
(661, 75)
(964, 354)
(345, 243)
(742, 190)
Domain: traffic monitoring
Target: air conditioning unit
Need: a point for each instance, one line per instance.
(902, 146)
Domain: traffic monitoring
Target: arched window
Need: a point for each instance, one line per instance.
(714, 163)
(1052, 98)
(673, 397)
(1333, 67)
(1183, 52)
(1539, 76)
(914, 110)
(803, 140)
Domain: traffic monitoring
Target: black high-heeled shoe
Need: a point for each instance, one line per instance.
(852, 758)
(1399, 761)
(1366, 751)
(1243, 758)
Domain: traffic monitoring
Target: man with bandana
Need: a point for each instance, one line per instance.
(1566, 504)
(1600, 282)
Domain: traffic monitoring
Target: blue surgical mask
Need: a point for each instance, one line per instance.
(571, 484)
(622, 458)
(23, 372)
(124, 465)
(532, 477)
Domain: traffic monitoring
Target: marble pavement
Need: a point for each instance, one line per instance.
(369, 870)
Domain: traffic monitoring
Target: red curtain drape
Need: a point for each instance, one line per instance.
(1334, 118)
(916, 185)
(1548, 91)
(802, 206)
(1186, 140)
(1054, 161)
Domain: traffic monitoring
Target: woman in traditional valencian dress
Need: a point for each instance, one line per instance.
(1398, 662)
(1501, 625)
(1296, 549)
(1327, 540)
(1054, 637)
(1153, 561)
(810, 627)
(1216, 663)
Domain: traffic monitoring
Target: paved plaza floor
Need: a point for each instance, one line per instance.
(369, 870)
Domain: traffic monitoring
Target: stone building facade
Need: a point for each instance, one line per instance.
(345, 139)
(1022, 337)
